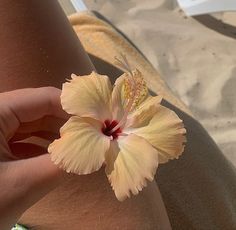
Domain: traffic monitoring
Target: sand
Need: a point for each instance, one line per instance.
(195, 56)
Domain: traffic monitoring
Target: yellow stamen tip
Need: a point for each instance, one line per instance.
(135, 88)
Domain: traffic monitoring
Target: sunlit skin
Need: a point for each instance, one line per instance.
(123, 128)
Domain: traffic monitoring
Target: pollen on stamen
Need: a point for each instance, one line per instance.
(135, 88)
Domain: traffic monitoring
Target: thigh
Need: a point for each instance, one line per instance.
(38, 47)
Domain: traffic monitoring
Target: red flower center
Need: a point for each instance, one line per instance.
(107, 128)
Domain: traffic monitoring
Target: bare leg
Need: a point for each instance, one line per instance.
(39, 48)
(37, 45)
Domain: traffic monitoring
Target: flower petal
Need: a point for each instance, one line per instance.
(81, 148)
(118, 99)
(87, 96)
(144, 113)
(110, 156)
(135, 163)
(165, 131)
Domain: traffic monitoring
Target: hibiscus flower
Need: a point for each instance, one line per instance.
(121, 127)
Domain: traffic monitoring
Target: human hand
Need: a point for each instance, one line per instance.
(26, 172)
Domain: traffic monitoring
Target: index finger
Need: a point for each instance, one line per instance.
(25, 105)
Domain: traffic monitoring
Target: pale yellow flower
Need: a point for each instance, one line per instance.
(124, 128)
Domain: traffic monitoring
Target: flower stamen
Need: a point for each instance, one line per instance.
(135, 90)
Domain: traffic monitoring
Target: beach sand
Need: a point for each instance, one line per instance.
(194, 55)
